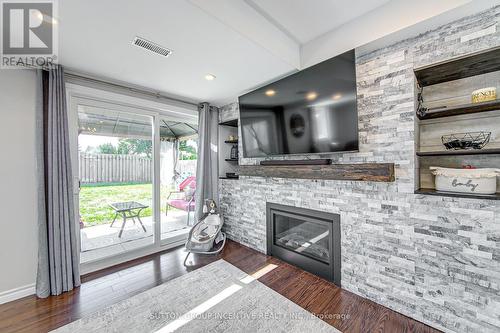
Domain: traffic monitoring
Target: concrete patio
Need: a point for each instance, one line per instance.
(102, 240)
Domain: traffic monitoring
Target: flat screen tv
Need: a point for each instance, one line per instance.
(313, 111)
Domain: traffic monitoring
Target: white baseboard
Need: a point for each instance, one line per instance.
(17, 293)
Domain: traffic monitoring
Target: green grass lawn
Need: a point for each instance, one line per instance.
(95, 200)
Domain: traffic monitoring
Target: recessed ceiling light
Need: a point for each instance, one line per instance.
(270, 92)
(336, 97)
(311, 96)
(210, 77)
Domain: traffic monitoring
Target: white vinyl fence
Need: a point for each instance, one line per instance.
(114, 168)
(111, 168)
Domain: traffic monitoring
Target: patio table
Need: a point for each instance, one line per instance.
(128, 210)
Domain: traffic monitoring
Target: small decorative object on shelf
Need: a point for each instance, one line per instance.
(468, 180)
(421, 110)
(234, 152)
(484, 95)
(469, 140)
(232, 138)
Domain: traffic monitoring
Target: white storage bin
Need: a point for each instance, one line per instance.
(474, 181)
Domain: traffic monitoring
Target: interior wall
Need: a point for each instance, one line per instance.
(18, 235)
(374, 25)
(435, 259)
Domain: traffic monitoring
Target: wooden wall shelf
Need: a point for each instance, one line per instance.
(461, 109)
(459, 152)
(376, 172)
(430, 191)
(229, 178)
(459, 68)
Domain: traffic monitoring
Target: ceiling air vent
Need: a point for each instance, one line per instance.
(150, 46)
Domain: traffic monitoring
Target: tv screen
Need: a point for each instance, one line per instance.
(313, 111)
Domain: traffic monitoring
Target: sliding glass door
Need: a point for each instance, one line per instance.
(136, 174)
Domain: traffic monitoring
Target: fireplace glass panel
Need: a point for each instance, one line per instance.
(304, 237)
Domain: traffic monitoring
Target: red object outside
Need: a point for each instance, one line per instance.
(189, 181)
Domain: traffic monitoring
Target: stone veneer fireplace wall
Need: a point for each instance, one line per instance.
(435, 259)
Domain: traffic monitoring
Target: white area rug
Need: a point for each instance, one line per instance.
(216, 298)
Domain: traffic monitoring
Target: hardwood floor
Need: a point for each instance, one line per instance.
(103, 288)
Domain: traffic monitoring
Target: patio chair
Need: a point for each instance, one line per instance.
(177, 199)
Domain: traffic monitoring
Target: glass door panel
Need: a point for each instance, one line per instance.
(178, 144)
(115, 167)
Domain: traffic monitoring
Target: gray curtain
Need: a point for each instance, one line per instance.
(58, 254)
(207, 168)
(175, 153)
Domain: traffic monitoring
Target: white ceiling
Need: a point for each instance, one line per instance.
(306, 20)
(96, 36)
(245, 43)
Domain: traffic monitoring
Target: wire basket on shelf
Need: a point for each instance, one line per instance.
(469, 140)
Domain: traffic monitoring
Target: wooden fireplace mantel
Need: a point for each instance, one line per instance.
(374, 172)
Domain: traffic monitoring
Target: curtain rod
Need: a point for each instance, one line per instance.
(88, 78)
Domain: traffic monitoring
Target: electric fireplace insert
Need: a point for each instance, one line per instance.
(306, 238)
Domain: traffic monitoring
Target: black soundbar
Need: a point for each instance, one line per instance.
(323, 161)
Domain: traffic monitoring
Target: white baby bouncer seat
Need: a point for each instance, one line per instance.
(206, 235)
